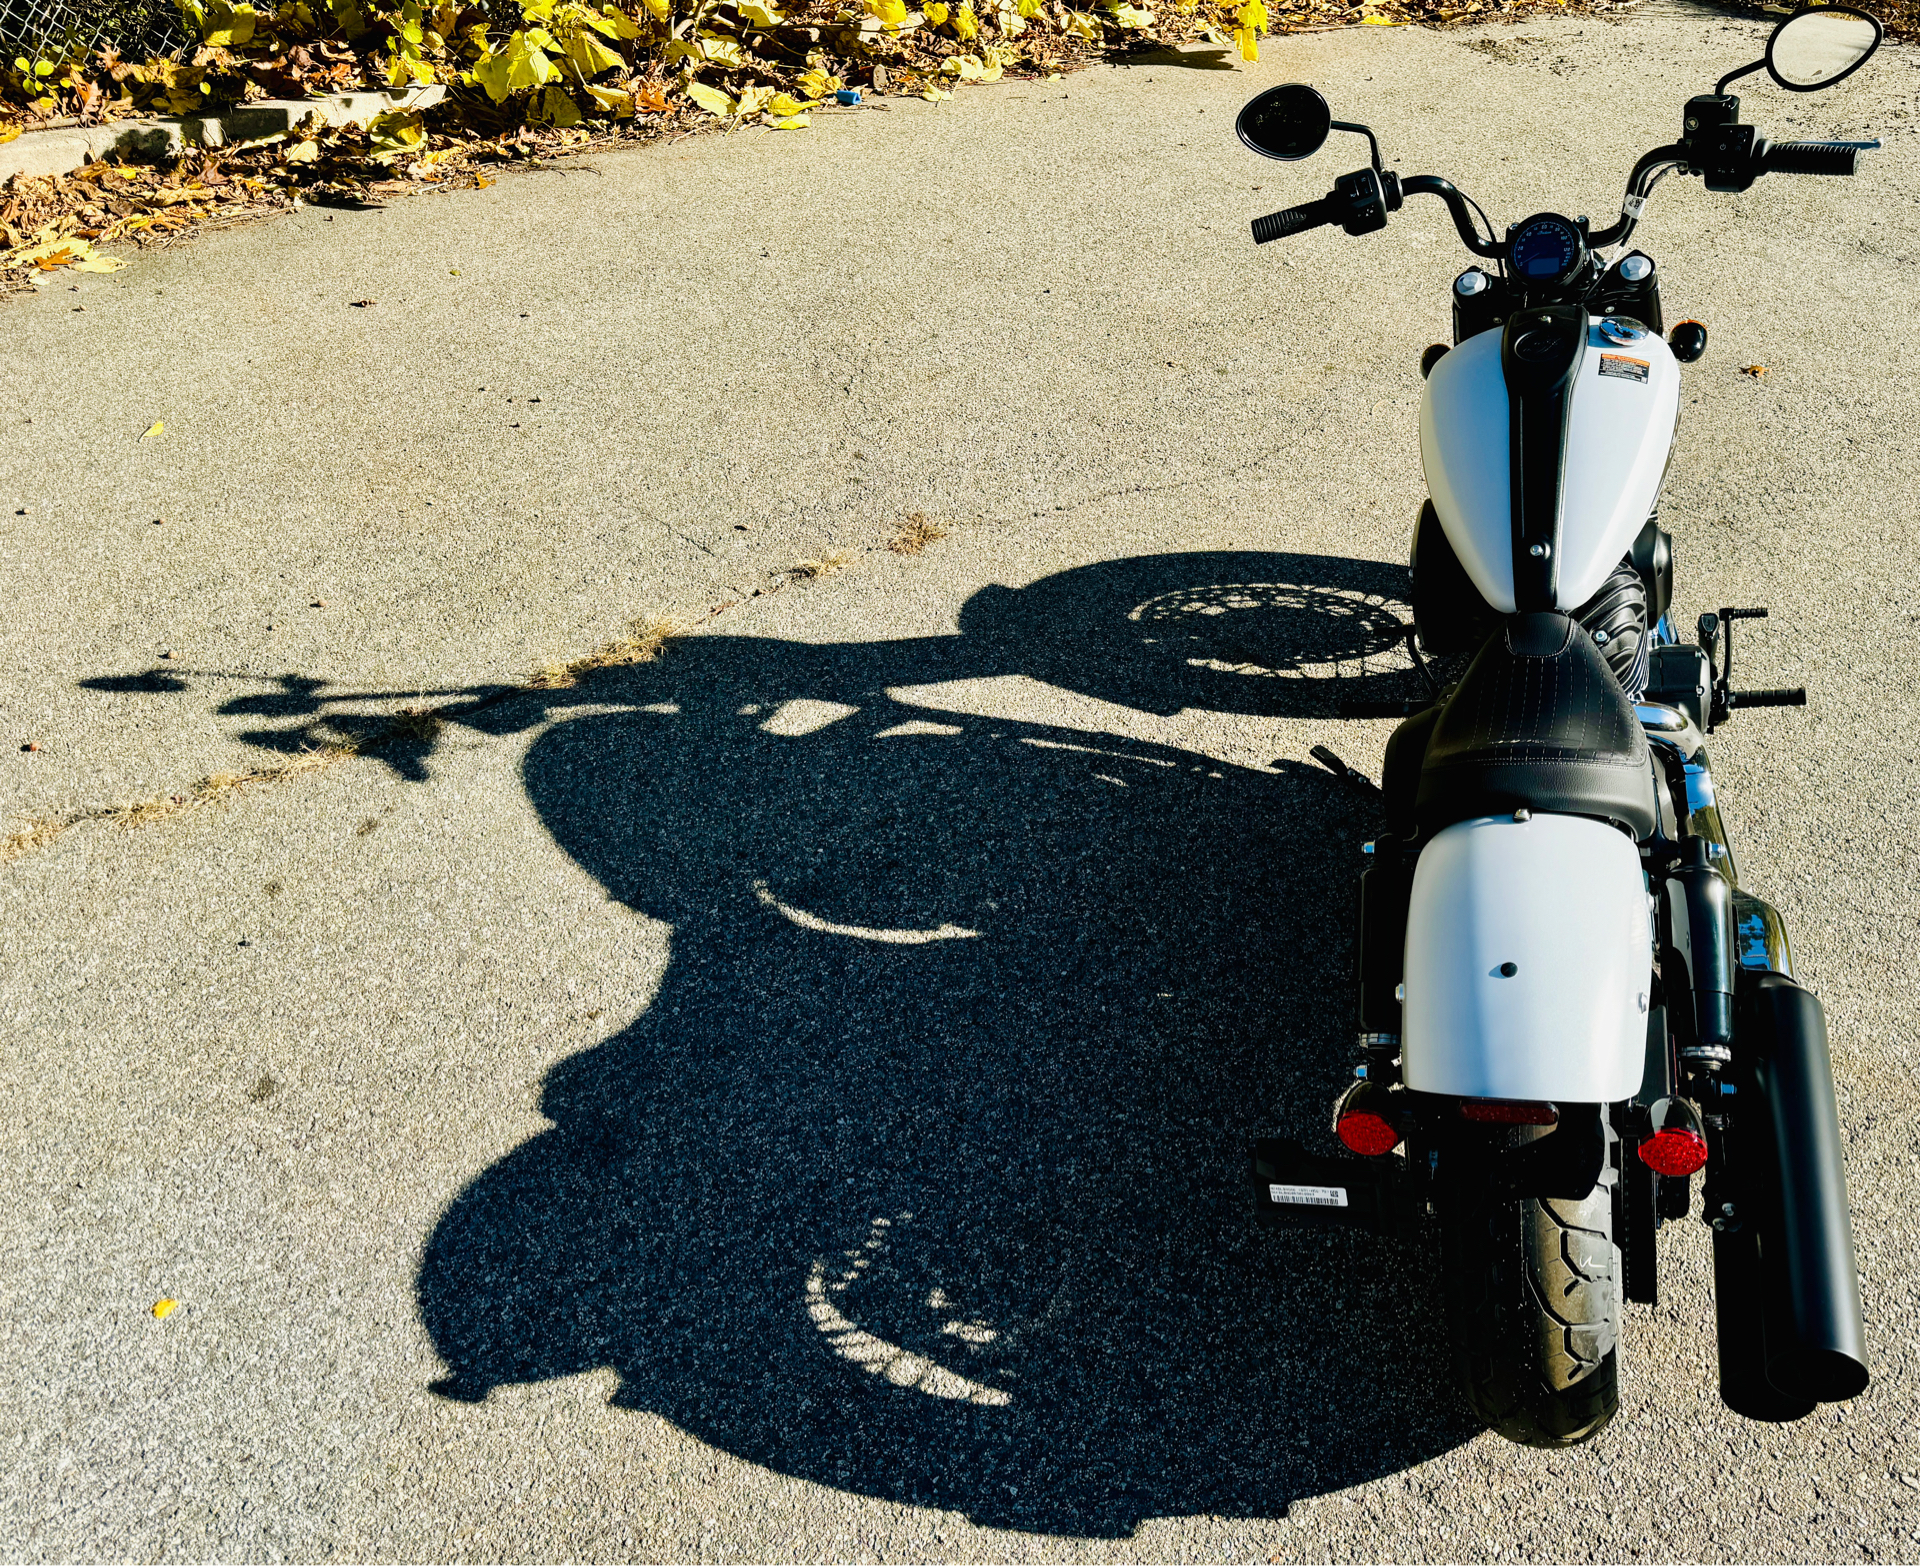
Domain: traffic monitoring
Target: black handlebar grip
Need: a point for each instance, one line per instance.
(1809, 157)
(1796, 697)
(1295, 220)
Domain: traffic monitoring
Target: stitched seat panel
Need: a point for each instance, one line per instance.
(1545, 727)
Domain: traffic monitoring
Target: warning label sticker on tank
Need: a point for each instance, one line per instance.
(1621, 368)
(1308, 1195)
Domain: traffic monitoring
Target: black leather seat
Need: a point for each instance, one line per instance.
(1540, 723)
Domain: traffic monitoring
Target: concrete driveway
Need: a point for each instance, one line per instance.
(790, 1099)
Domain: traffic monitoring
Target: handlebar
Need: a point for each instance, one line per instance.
(1294, 220)
(1809, 157)
(1360, 202)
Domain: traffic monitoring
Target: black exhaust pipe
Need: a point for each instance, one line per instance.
(1815, 1343)
(1737, 1296)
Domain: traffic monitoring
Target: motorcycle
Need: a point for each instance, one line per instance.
(1569, 1005)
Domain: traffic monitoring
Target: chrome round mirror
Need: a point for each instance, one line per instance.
(1817, 47)
(1286, 122)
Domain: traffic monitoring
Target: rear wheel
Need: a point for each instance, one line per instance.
(1533, 1313)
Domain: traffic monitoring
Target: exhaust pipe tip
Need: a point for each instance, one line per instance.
(1826, 1375)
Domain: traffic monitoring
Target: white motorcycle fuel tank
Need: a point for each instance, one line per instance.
(1528, 961)
(1620, 426)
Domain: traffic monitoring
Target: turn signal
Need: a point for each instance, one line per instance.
(1676, 1151)
(1688, 341)
(1508, 1112)
(1362, 1131)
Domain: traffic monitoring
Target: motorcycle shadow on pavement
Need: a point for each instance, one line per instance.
(924, 1172)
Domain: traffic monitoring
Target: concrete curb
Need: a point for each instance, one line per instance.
(39, 153)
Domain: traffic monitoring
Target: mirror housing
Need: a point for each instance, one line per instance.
(1819, 46)
(1289, 122)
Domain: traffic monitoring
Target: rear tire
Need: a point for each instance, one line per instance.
(1533, 1313)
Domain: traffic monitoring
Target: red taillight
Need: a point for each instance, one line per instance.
(1362, 1131)
(1676, 1151)
(1508, 1112)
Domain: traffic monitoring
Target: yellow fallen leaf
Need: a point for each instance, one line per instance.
(1248, 42)
(712, 99)
(155, 429)
(890, 13)
(453, 271)
(162, 1309)
(934, 95)
(935, 13)
(8, 132)
(612, 98)
(481, 182)
(789, 121)
(753, 99)
(394, 134)
(784, 106)
(755, 14)
(49, 253)
(722, 51)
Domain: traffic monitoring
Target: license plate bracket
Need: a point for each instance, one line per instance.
(1295, 1189)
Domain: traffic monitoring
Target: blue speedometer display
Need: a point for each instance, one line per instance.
(1546, 249)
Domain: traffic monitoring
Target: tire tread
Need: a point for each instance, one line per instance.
(1533, 1313)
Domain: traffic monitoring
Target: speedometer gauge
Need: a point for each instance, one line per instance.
(1548, 249)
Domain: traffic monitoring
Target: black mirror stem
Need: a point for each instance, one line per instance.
(1348, 125)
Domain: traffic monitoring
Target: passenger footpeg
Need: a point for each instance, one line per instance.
(1297, 1189)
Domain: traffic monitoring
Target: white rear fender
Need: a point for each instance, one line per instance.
(1528, 964)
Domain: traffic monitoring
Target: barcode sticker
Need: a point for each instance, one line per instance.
(1308, 1195)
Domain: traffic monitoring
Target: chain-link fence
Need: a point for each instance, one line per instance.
(64, 28)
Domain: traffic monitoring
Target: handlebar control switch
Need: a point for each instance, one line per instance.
(1364, 198)
(1719, 148)
(1688, 341)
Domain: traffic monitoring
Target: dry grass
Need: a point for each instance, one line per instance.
(415, 723)
(34, 832)
(38, 831)
(914, 534)
(645, 640)
(813, 570)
